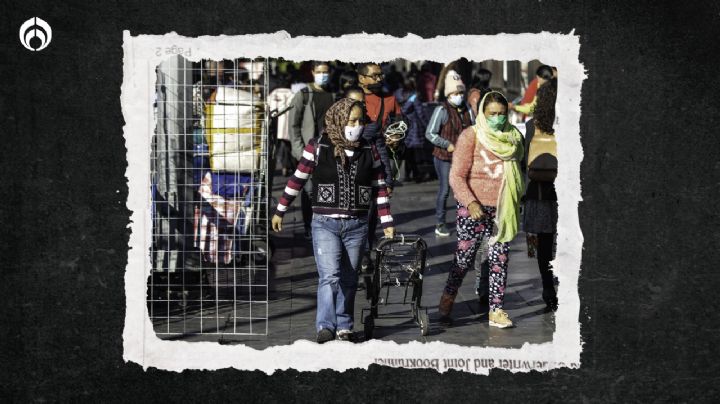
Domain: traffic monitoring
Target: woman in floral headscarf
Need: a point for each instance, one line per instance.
(487, 183)
(347, 173)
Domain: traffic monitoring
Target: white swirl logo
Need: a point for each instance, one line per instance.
(35, 28)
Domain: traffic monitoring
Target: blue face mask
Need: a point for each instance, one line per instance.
(497, 122)
(321, 79)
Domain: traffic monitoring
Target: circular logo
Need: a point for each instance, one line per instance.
(35, 34)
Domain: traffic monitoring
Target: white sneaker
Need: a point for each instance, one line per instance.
(500, 319)
(345, 335)
(441, 230)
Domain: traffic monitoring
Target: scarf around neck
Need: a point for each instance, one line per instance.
(336, 119)
(507, 145)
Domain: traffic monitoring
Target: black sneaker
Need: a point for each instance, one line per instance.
(324, 336)
(366, 264)
(441, 230)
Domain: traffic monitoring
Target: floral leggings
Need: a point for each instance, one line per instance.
(470, 234)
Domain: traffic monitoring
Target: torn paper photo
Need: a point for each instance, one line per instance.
(331, 203)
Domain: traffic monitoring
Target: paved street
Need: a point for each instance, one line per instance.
(293, 283)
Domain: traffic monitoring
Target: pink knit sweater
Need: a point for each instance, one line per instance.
(476, 173)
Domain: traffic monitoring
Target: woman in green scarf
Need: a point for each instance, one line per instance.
(487, 183)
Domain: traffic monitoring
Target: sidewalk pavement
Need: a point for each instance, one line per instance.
(293, 285)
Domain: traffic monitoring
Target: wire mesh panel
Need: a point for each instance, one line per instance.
(209, 199)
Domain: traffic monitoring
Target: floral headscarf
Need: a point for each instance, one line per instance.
(336, 118)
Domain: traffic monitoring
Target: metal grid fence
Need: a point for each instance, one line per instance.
(209, 199)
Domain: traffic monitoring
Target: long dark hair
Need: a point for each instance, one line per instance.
(544, 115)
(481, 81)
(545, 72)
(348, 79)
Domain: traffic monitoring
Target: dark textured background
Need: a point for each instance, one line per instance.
(649, 180)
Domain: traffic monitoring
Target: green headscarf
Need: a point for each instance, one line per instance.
(507, 145)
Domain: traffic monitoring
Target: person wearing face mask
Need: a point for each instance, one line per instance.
(348, 178)
(381, 110)
(487, 183)
(306, 114)
(448, 120)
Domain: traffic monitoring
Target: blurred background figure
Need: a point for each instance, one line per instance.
(279, 103)
(417, 122)
(479, 87)
(346, 80)
(306, 122)
(426, 82)
(393, 79)
(543, 74)
(450, 118)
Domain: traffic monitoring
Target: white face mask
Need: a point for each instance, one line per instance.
(455, 99)
(321, 79)
(352, 133)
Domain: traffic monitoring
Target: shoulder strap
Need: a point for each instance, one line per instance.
(306, 100)
(318, 140)
(381, 114)
(305, 95)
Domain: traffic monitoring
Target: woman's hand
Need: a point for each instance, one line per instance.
(277, 223)
(389, 232)
(475, 210)
(451, 148)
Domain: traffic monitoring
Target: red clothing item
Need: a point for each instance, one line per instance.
(372, 105)
(476, 173)
(530, 92)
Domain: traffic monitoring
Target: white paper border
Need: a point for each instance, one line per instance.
(144, 52)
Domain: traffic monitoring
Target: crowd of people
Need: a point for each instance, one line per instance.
(331, 123)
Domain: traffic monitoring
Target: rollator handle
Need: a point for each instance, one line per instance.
(402, 239)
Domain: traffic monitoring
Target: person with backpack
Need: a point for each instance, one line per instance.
(307, 113)
(348, 179)
(541, 208)
(449, 119)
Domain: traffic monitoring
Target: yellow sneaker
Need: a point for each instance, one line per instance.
(499, 318)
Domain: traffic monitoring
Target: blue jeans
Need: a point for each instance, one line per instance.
(338, 245)
(442, 168)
